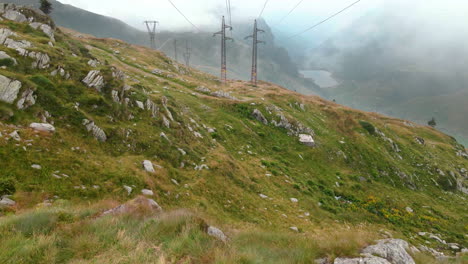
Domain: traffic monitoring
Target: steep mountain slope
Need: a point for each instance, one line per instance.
(275, 64)
(88, 123)
(395, 64)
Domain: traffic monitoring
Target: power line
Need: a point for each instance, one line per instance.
(294, 8)
(263, 9)
(183, 15)
(325, 20)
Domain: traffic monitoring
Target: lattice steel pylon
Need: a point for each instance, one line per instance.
(187, 54)
(254, 36)
(223, 49)
(151, 26)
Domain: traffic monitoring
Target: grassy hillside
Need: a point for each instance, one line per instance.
(215, 163)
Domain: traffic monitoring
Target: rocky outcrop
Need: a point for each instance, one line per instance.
(43, 127)
(94, 63)
(44, 28)
(139, 204)
(42, 60)
(60, 72)
(293, 127)
(26, 100)
(20, 46)
(164, 101)
(9, 89)
(96, 131)
(152, 107)
(259, 116)
(393, 250)
(94, 80)
(14, 15)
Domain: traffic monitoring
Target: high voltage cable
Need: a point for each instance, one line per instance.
(183, 15)
(263, 9)
(294, 8)
(325, 20)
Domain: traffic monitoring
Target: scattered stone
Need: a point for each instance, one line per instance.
(217, 233)
(97, 132)
(164, 136)
(166, 122)
(307, 140)
(294, 228)
(140, 105)
(420, 140)
(263, 196)
(409, 210)
(203, 89)
(94, 63)
(36, 166)
(14, 135)
(147, 192)
(182, 151)
(259, 116)
(222, 94)
(201, 167)
(294, 200)
(9, 89)
(134, 206)
(148, 166)
(128, 189)
(42, 127)
(94, 80)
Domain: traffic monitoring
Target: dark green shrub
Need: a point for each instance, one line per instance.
(6, 62)
(368, 126)
(7, 186)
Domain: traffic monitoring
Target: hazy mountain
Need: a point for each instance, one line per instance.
(401, 65)
(275, 65)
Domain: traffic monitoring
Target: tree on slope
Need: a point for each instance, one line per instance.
(46, 6)
(432, 122)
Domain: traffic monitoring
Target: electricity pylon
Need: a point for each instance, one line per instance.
(223, 49)
(151, 26)
(187, 54)
(254, 36)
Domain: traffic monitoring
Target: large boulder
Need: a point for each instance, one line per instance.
(9, 89)
(6, 202)
(138, 205)
(393, 250)
(26, 100)
(41, 60)
(148, 166)
(15, 16)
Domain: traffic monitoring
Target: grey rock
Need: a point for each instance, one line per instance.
(6, 202)
(164, 102)
(118, 74)
(42, 60)
(14, 135)
(393, 250)
(96, 131)
(221, 94)
(44, 28)
(140, 105)
(307, 140)
(203, 89)
(294, 228)
(128, 189)
(94, 63)
(163, 135)
(15, 16)
(115, 96)
(147, 192)
(20, 46)
(166, 122)
(217, 233)
(36, 167)
(94, 80)
(9, 89)
(363, 260)
(4, 34)
(148, 166)
(152, 107)
(409, 210)
(259, 116)
(42, 127)
(263, 196)
(420, 140)
(26, 100)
